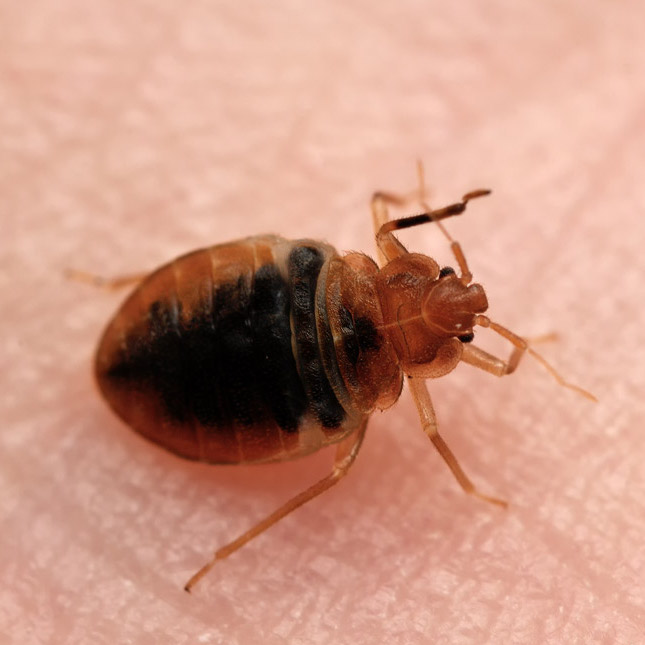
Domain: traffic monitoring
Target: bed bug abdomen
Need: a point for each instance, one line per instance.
(216, 355)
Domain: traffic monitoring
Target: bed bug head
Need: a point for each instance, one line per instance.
(450, 306)
(445, 305)
(429, 313)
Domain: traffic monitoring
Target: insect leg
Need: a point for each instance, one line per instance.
(380, 216)
(483, 360)
(466, 276)
(388, 248)
(109, 284)
(345, 455)
(391, 248)
(429, 421)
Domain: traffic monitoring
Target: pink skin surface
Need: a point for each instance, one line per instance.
(133, 132)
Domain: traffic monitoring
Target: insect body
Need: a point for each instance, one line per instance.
(260, 350)
(267, 349)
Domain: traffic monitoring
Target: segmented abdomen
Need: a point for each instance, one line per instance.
(225, 354)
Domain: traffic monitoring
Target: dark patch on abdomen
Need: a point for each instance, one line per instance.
(232, 364)
(277, 376)
(305, 263)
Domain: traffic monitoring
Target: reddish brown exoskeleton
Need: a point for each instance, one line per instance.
(267, 349)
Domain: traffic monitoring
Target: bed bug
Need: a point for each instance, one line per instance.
(267, 349)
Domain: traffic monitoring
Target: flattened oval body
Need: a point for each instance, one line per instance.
(227, 354)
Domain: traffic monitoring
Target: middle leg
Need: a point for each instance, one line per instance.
(429, 421)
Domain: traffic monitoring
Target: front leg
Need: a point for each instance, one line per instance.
(493, 365)
(390, 248)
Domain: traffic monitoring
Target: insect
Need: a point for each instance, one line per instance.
(267, 349)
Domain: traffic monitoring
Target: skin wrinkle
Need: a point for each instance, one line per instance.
(596, 174)
(111, 551)
(603, 587)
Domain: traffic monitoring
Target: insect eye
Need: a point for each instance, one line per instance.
(446, 271)
(466, 338)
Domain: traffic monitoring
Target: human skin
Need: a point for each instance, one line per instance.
(131, 135)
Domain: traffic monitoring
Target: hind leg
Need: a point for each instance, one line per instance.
(345, 456)
(101, 282)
